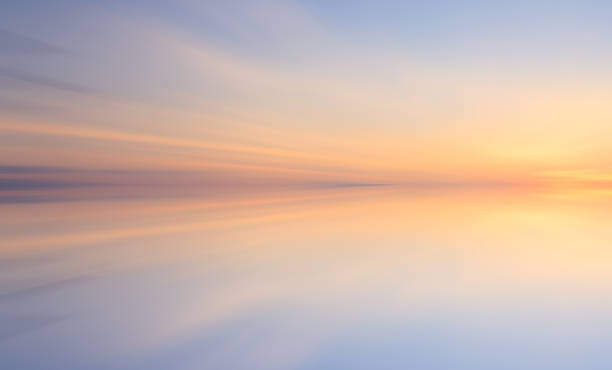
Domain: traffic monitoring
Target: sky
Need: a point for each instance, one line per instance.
(305, 92)
(204, 184)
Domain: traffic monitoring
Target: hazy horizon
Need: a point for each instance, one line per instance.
(305, 185)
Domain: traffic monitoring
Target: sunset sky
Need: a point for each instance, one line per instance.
(305, 184)
(306, 91)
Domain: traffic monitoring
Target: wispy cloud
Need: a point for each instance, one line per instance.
(273, 86)
(15, 44)
(41, 81)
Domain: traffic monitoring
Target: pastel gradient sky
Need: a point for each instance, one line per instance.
(307, 91)
(305, 185)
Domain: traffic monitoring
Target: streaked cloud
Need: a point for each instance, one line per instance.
(278, 87)
(15, 44)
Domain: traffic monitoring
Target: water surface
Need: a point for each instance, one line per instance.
(324, 278)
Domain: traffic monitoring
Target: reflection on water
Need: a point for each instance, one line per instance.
(343, 278)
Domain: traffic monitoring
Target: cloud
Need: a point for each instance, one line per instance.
(12, 326)
(42, 81)
(24, 293)
(15, 44)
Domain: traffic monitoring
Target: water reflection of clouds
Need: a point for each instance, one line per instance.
(316, 279)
